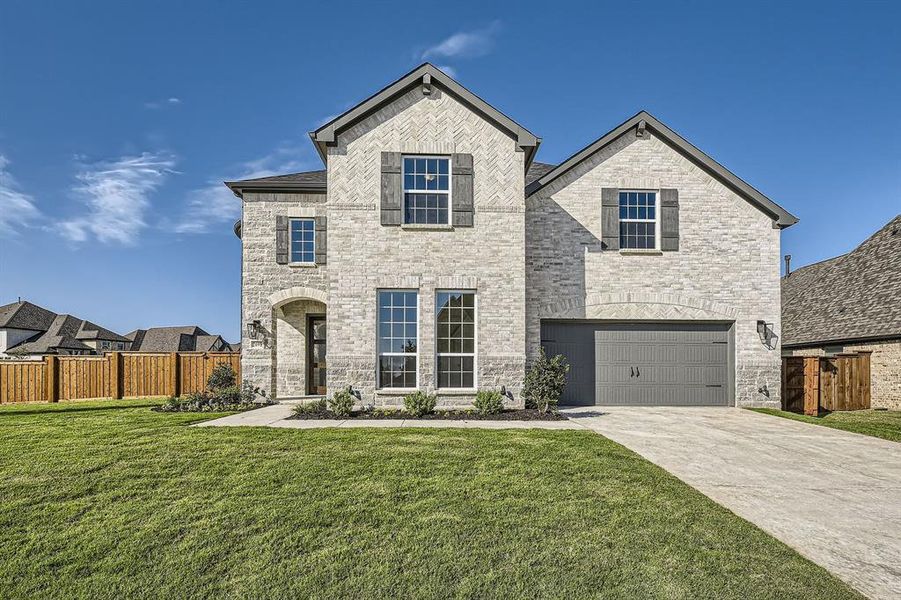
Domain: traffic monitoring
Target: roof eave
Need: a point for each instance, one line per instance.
(781, 217)
(239, 187)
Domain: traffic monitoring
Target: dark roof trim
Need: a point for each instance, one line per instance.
(782, 217)
(425, 74)
(845, 341)
(302, 187)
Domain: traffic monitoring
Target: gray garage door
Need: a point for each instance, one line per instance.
(642, 364)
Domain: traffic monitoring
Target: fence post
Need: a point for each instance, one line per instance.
(173, 374)
(51, 371)
(811, 385)
(115, 375)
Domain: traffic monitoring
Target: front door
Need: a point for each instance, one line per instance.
(316, 355)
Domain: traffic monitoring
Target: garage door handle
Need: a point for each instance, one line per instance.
(637, 372)
(717, 385)
(631, 371)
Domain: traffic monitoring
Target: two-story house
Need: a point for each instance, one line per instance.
(434, 252)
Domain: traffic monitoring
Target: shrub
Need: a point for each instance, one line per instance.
(489, 402)
(223, 376)
(545, 381)
(419, 403)
(342, 403)
(316, 406)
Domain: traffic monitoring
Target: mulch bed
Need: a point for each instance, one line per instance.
(527, 414)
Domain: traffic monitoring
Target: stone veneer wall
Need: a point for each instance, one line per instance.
(885, 369)
(726, 268)
(291, 346)
(263, 279)
(365, 256)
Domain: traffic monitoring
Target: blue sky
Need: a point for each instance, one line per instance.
(119, 120)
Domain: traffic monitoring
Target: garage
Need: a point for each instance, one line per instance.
(642, 363)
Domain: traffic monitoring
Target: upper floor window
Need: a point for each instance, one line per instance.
(303, 234)
(638, 220)
(427, 190)
(398, 339)
(104, 345)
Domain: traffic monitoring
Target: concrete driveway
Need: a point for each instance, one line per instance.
(833, 496)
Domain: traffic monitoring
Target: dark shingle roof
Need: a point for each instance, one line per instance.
(849, 297)
(537, 170)
(61, 334)
(188, 338)
(25, 315)
(91, 331)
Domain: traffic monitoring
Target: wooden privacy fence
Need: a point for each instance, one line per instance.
(814, 383)
(114, 375)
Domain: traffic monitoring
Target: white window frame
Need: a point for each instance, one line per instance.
(655, 220)
(379, 354)
(450, 187)
(291, 220)
(475, 341)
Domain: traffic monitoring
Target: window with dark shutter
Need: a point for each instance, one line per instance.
(610, 218)
(462, 190)
(281, 240)
(392, 189)
(669, 220)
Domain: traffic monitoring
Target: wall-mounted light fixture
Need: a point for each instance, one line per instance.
(254, 328)
(766, 333)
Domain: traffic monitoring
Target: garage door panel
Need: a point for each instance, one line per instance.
(649, 364)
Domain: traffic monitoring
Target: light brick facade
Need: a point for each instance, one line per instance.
(526, 259)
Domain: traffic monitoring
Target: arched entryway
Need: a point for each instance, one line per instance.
(300, 334)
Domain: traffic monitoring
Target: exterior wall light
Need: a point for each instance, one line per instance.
(767, 334)
(254, 328)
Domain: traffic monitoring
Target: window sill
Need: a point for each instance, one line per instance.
(456, 391)
(427, 226)
(303, 265)
(641, 252)
(395, 391)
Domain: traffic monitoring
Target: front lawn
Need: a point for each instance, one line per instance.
(885, 424)
(112, 500)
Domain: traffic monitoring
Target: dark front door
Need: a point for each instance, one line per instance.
(316, 355)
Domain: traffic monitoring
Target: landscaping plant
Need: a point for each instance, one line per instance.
(223, 376)
(419, 403)
(545, 381)
(342, 403)
(489, 402)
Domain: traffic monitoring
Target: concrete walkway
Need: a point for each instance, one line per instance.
(834, 496)
(277, 416)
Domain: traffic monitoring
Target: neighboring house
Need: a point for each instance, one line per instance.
(848, 303)
(27, 329)
(189, 338)
(434, 252)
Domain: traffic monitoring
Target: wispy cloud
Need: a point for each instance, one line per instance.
(117, 196)
(17, 209)
(214, 204)
(449, 70)
(465, 44)
(158, 104)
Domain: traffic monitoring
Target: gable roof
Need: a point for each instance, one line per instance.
(187, 338)
(781, 216)
(90, 331)
(424, 74)
(855, 296)
(25, 315)
(61, 334)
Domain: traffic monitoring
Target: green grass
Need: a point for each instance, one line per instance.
(111, 500)
(885, 424)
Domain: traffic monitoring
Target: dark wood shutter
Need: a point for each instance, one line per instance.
(669, 220)
(461, 203)
(321, 239)
(281, 240)
(610, 218)
(392, 189)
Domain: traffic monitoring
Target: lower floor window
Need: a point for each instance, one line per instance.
(455, 332)
(398, 339)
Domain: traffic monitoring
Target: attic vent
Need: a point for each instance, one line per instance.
(426, 84)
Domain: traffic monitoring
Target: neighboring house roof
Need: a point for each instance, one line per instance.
(644, 120)
(90, 331)
(188, 338)
(855, 296)
(60, 335)
(25, 315)
(425, 75)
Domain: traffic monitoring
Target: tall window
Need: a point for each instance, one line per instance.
(456, 335)
(398, 339)
(303, 238)
(638, 220)
(426, 190)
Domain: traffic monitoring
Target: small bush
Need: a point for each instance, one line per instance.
(545, 382)
(419, 403)
(223, 376)
(229, 398)
(489, 402)
(316, 406)
(342, 403)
